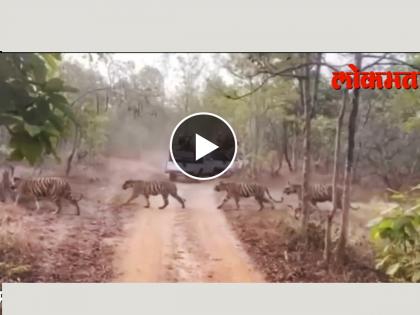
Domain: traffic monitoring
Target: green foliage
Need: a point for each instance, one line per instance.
(14, 272)
(33, 106)
(323, 133)
(259, 118)
(397, 239)
(94, 130)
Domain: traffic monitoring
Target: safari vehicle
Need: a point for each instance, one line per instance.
(200, 169)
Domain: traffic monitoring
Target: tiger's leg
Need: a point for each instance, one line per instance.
(74, 203)
(11, 194)
(17, 199)
(165, 200)
(134, 195)
(58, 203)
(224, 201)
(269, 201)
(298, 211)
(313, 208)
(260, 202)
(148, 201)
(2, 194)
(180, 200)
(77, 207)
(237, 202)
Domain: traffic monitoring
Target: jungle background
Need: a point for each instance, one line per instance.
(83, 115)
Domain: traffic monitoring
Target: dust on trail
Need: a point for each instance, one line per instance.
(195, 244)
(224, 259)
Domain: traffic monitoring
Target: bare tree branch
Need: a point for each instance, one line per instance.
(238, 97)
(376, 62)
(393, 61)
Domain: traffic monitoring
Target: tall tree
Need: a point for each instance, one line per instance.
(336, 174)
(306, 69)
(352, 127)
(309, 91)
(190, 68)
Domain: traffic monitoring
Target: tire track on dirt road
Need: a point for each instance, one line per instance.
(221, 254)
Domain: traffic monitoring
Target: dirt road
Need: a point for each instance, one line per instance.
(195, 244)
(108, 242)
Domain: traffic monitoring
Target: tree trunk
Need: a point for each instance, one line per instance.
(356, 177)
(279, 150)
(295, 147)
(306, 152)
(98, 105)
(286, 145)
(254, 132)
(327, 248)
(310, 100)
(106, 101)
(5, 191)
(349, 167)
(73, 150)
(280, 155)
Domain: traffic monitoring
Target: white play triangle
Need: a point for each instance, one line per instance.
(203, 147)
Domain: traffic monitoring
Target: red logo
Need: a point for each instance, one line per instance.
(374, 80)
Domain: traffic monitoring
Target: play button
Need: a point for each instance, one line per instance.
(202, 146)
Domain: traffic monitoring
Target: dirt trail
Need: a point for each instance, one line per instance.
(108, 242)
(195, 244)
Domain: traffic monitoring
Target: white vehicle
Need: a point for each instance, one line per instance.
(199, 169)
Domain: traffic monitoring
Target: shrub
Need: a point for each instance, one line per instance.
(396, 235)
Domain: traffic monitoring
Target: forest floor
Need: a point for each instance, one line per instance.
(45, 247)
(273, 241)
(108, 242)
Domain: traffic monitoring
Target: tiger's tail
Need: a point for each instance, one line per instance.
(353, 207)
(272, 199)
(81, 196)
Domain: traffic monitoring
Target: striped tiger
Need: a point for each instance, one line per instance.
(246, 190)
(317, 193)
(53, 188)
(152, 188)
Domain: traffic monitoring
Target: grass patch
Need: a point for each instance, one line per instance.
(16, 247)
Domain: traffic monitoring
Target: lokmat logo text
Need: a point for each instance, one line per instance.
(374, 80)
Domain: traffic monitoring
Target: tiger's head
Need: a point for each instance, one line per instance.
(128, 184)
(15, 182)
(291, 188)
(220, 186)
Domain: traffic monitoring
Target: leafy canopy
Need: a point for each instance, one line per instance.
(33, 106)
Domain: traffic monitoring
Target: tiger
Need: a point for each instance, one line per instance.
(152, 188)
(53, 188)
(317, 193)
(246, 190)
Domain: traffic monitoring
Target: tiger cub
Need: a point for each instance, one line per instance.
(53, 188)
(245, 190)
(152, 188)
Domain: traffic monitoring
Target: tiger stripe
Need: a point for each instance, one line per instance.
(245, 190)
(152, 188)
